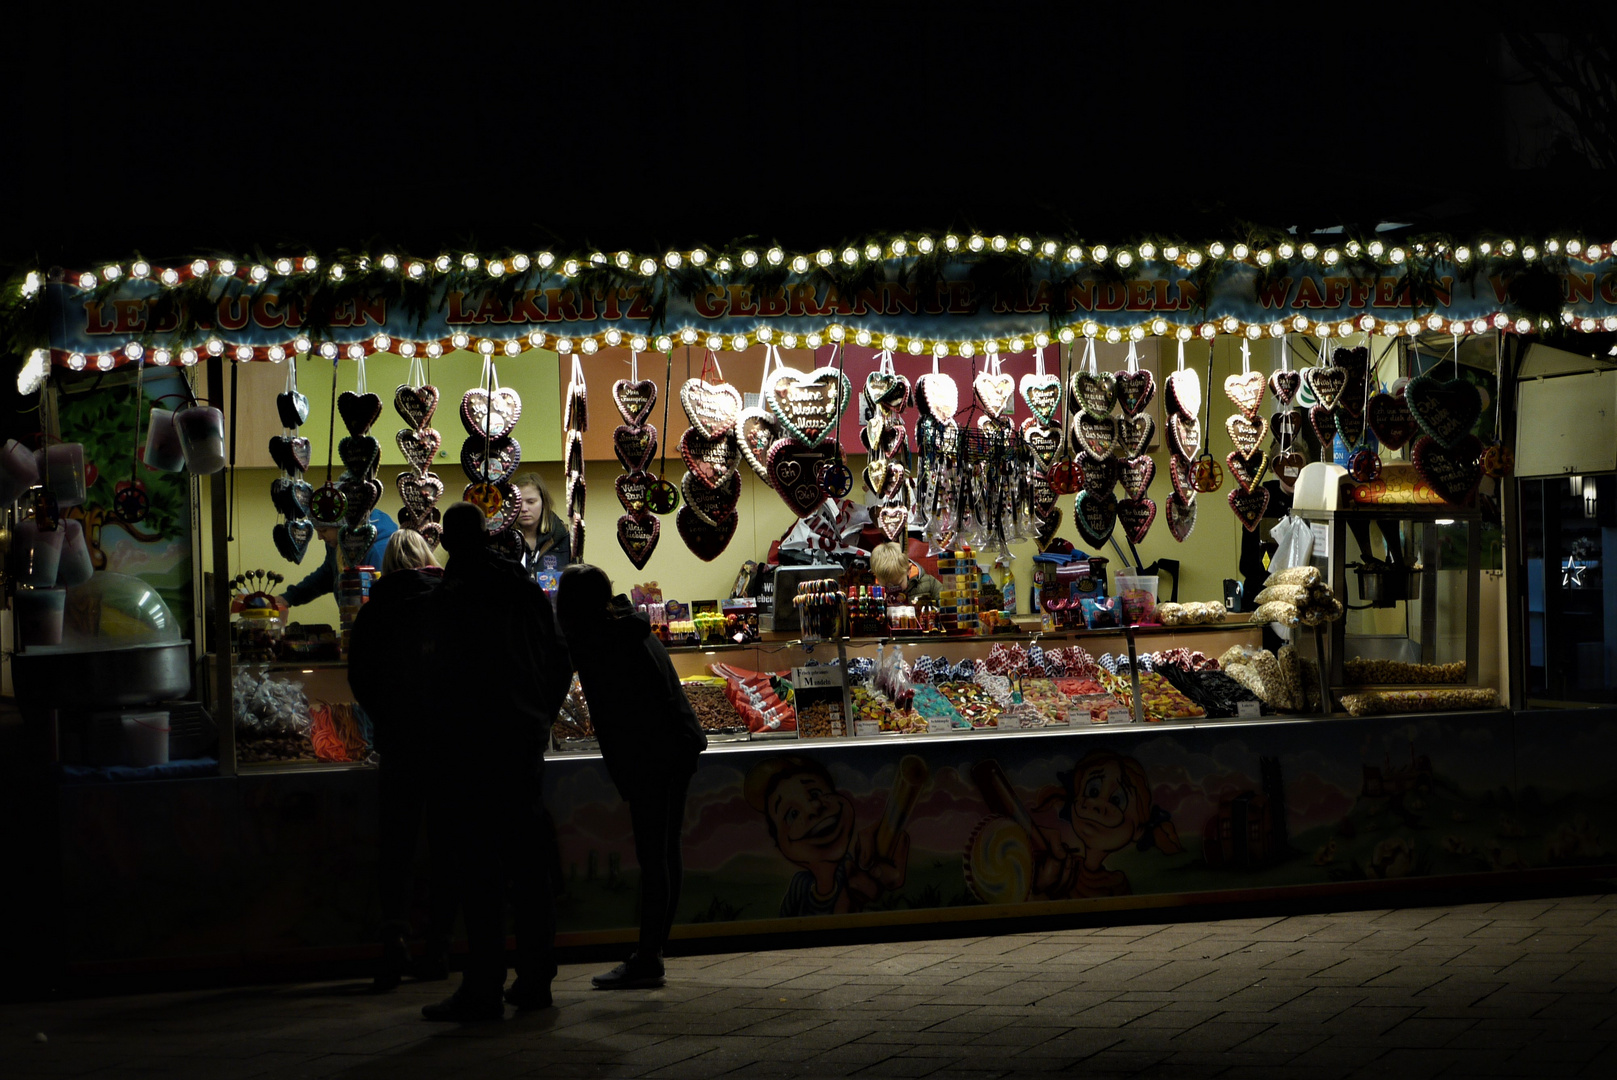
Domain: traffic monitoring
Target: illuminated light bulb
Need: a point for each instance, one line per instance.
(614, 337)
(169, 276)
(1552, 245)
(1208, 330)
(76, 361)
(1171, 253)
(638, 343)
(1412, 328)
(104, 362)
(966, 350)
(901, 247)
(1041, 339)
(337, 272)
(1529, 253)
(301, 344)
(86, 280)
(259, 273)
(775, 256)
(1479, 326)
(940, 349)
(1231, 324)
(976, 243)
(1184, 333)
(749, 258)
(391, 262)
(850, 255)
(1075, 254)
(1507, 248)
(1159, 326)
(1024, 245)
(1322, 330)
(356, 351)
(1017, 345)
(1193, 258)
(215, 347)
(1285, 250)
(112, 272)
(999, 243)
(924, 245)
(407, 349)
(1265, 257)
(1398, 255)
(951, 242)
(699, 257)
(915, 347)
(824, 257)
(664, 342)
(310, 264)
(1434, 322)
(1462, 254)
(1067, 335)
(673, 260)
(715, 342)
(1344, 328)
(800, 264)
(442, 264)
(1352, 247)
(590, 345)
(1367, 322)
(417, 270)
(597, 258)
(1331, 256)
(1310, 250)
(862, 337)
(460, 341)
(564, 345)
(435, 349)
(160, 357)
(872, 252)
(188, 358)
(789, 341)
(1048, 249)
(1253, 331)
(546, 260)
(688, 336)
(1241, 251)
(1574, 246)
(1148, 251)
(1124, 259)
(623, 259)
(723, 266)
(764, 333)
(1523, 326)
(739, 342)
(1277, 329)
(469, 261)
(835, 333)
(1136, 333)
(1586, 325)
(141, 268)
(1501, 320)
(991, 347)
(1215, 249)
(1485, 247)
(134, 350)
(648, 266)
(513, 347)
(1300, 323)
(328, 350)
(227, 267)
(1376, 248)
(570, 268)
(244, 353)
(1099, 252)
(496, 268)
(1091, 328)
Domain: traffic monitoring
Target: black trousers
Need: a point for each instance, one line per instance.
(504, 848)
(657, 811)
(402, 795)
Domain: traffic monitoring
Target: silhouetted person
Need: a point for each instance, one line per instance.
(499, 672)
(649, 737)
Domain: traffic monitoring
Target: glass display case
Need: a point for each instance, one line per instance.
(1570, 617)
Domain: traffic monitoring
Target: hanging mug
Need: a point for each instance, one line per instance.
(36, 554)
(19, 471)
(39, 615)
(61, 470)
(163, 450)
(202, 438)
(75, 567)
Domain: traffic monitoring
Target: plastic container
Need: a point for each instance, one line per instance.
(145, 738)
(39, 615)
(202, 437)
(36, 554)
(1139, 597)
(75, 567)
(163, 450)
(19, 471)
(61, 470)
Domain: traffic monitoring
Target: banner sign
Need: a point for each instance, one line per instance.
(956, 306)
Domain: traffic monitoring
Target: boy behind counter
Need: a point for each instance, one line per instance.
(896, 572)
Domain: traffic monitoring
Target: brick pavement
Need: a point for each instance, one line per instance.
(1503, 988)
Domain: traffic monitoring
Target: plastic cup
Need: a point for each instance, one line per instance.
(39, 615)
(163, 450)
(36, 554)
(75, 568)
(18, 471)
(61, 470)
(202, 437)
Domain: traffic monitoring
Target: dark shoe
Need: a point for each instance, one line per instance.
(636, 974)
(525, 994)
(460, 1008)
(395, 962)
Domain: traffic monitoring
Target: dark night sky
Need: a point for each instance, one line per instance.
(160, 133)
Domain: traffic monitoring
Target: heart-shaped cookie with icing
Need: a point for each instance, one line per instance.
(994, 392)
(1045, 442)
(290, 452)
(711, 407)
(1093, 393)
(808, 405)
(1249, 505)
(1184, 435)
(1097, 435)
(938, 396)
(1444, 410)
(1045, 528)
(1245, 389)
(1285, 424)
(631, 488)
(634, 400)
(1136, 516)
(1349, 425)
(575, 414)
(494, 461)
(419, 446)
(634, 446)
(416, 404)
(893, 521)
(292, 538)
(356, 542)
(756, 431)
(1248, 469)
(1096, 516)
(1390, 420)
(1136, 474)
(1135, 389)
(291, 496)
(1184, 393)
(1181, 515)
(576, 490)
(1323, 419)
(1041, 495)
(1452, 473)
(1180, 472)
(712, 504)
(794, 474)
(705, 539)
(712, 460)
(887, 390)
(490, 415)
(419, 492)
(363, 493)
(1284, 385)
(1042, 395)
(1097, 474)
(1134, 435)
(292, 407)
(358, 411)
(1246, 434)
(1327, 384)
(637, 536)
(360, 453)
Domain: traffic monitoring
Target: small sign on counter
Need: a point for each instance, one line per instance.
(1119, 715)
(1248, 710)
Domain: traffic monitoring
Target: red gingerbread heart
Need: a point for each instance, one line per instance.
(712, 460)
(1249, 505)
(1390, 420)
(794, 473)
(1135, 389)
(1181, 515)
(416, 404)
(1137, 474)
(1284, 385)
(637, 536)
(634, 446)
(634, 400)
(1453, 474)
(1136, 516)
(705, 539)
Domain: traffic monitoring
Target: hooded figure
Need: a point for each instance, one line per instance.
(649, 738)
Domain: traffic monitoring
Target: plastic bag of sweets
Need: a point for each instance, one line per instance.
(931, 705)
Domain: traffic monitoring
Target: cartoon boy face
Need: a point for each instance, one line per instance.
(813, 822)
(1104, 810)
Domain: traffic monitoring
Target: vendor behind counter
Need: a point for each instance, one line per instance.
(324, 578)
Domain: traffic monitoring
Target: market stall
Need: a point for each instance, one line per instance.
(1036, 421)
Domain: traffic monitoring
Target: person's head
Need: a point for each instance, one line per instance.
(406, 550)
(808, 818)
(465, 528)
(328, 533)
(1108, 800)
(535, 496)
(583, 597)
(890, 566)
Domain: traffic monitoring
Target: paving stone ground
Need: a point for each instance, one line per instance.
(1518, 987)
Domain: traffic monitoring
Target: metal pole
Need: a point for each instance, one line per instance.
(218, 630)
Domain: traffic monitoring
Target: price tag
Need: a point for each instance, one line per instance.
(1008, 721)
(1119, 715)
(1247, 710)
(866, 727)
(812, 678)
(939, 727)
(836, 728)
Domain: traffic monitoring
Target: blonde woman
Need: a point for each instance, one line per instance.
(542, 529)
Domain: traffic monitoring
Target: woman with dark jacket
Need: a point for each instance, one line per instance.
(649, 739)
(385, 646)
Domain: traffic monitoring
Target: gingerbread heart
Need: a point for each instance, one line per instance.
(1248, 469)
(1045, 442)
(1134, 435)
(490, 415)
(1181, 515)
(632, 488)
(292, 407)
(705, 539)
(290, 452)
(419, 492)
(1096, 516)
(362, 493)
(1246, 434)
(1135, 389)
(497, 460)
(756, 431)
(411, 520)
(575, 537)
(1245, 389)
(876, 475)
(1327, 384)
(577, 490)
(1042, 395)
(894, 521)
(1285, 424)
(1184, 435)
(808, 405)
(358, 411)
(1323, 419)
(1249, 505)
(794, 473)
(419, 446)
(938, 396)
(711, 407)
(360, 453)
(712, 504)
(1287, 467)
(637, 536)
(575, 414)
(1045, 528)
(1184, 393)
(499, 502)
(713, 460)
(1041, 495)
(573, 453)
(1137, 474)
(290, 496)
(1095, 434)
(432, 532)
(1284, 385)
(634, 446)
(1099, 473)
(1180, 472)
(634, 400)
(1094, 394)
(1349, 426)
(1390, 420)
(416, 404)
(292, 538)
(887, 390)
(1136, 516)
(1444, 410)
(1453, 473)
(994, 392)
(356, 542)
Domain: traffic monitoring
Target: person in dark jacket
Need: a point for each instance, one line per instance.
(649, 738)
(496, 677)
(386, 649)
(542, 530)
(324, 578)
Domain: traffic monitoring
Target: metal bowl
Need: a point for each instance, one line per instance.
(73, 678)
